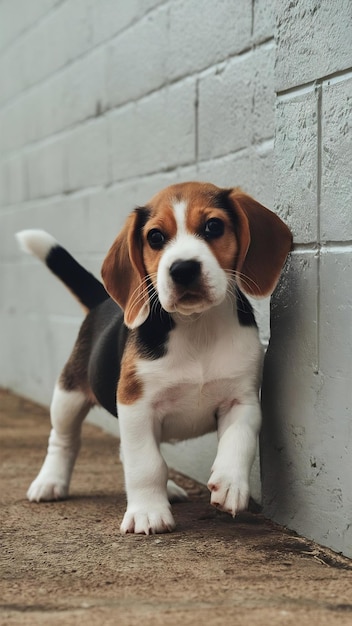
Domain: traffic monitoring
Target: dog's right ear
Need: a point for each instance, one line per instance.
(124, 274)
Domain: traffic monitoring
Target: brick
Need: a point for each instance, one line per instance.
(46, 47)
(4, 193)
(296, 158)
(263, 20)
(336, 188)
(57, 40)
(17, 16)
(203, 34)
(137, 59)
(85, 88)
(224, 102)
(46, 168)
(154, 134)
(12, 75)
(289, 393)
(313, 40)
(107, 19)
(336, 314)
(236, 105)
(262, 72)
(15, 179)
(251, 169)
(86, 151)
(13, 129)
(43, 108)
(333, 452)
(69, 96)
(78, 24)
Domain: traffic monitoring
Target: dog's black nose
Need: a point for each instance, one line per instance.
(185, 272)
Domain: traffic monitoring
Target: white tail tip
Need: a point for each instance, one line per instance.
(36, 242)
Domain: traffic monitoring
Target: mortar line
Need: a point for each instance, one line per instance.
(196, 122)
(319, 92)
(252, 19)
(337, 76)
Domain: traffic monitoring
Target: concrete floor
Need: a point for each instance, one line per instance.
(66, 563)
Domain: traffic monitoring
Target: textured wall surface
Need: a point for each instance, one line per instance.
(307, 438)
(102, 104)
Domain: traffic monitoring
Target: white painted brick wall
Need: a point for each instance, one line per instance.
(306, 441)
(102, 104)
(155, 133)
(296, 156)
(314, 40)
(204, 33)
(336, 192)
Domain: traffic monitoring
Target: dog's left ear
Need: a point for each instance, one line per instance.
(264, 243)
(124, 274)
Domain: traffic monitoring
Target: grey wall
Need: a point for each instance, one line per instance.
(102, 104)
(307, 437)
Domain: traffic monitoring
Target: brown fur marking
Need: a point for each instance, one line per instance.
(130, 387)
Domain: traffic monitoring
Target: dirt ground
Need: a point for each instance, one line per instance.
(66, 563)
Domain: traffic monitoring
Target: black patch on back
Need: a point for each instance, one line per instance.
(96, 356)
(244, 309)
(88, 289)
(108, 344)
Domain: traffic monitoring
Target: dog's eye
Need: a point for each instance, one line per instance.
(156, 239)
(214, 228)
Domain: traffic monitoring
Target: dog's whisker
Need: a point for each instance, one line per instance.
(141, 293)
(249, 282)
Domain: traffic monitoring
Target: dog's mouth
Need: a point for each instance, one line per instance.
(191, 302)
(190, 298)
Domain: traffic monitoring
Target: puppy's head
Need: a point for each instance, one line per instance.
(188, 244)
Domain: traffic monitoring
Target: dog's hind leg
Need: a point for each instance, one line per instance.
(68, 410)
(175, 493)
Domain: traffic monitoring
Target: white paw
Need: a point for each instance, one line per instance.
(175, 493)
(146, 521)
(46, 489)
(229, 492)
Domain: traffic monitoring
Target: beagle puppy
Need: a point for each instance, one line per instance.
(170, 344)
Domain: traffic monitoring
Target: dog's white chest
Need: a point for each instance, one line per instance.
(204, 371)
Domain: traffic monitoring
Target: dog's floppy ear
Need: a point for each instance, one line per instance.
(264, 243)
(124, 273)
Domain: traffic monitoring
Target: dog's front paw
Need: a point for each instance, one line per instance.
(144, 521)
(47, 488)
(229, 492)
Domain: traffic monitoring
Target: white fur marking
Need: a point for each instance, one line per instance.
(148, 509)
(36, 242)
(179, 208)
(68, 410)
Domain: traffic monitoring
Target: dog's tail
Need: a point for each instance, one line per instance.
(85, 287)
